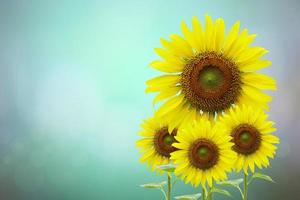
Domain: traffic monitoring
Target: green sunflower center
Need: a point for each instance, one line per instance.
(203, 151)
(163, 141)
(245, 137)
(169, 140)
(210, 77)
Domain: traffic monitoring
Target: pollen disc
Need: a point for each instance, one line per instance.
(203, 154)
(211, 82)
(246, 139)
(163, 141)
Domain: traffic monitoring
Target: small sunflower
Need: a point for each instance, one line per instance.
(252, 138)
(156, 144)
(208, 70)
(204, 153)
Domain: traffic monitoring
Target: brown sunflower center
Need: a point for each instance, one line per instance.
(211, 82)
(203, 154)
(163, 141)
(246, 139)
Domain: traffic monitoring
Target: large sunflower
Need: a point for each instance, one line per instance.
(208, 70)
(156, 144)
(252, 136)
(204, 153)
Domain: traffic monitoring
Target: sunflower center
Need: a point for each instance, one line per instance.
(211, 82)
(210, 77)
(246, 139)
(163, 141)
(203, 151)
(169, 140)
(203, 154)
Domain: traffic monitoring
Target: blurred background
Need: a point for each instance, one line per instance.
(72, 76)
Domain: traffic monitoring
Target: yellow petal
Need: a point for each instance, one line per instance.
(271, 138)
(250, 55)
(259, 97)
(232, 35)
(178, 117)
(220, 34)
(162, 82)
(164, 66)
(251, 165)
(170, 105)
(188, 35)
(209, 33)
(144, 142)
(198, 34)
(255, 65)
(164, 94)
(164, 79)
(240, 45)
(237, 45)
(167, 56)
(147, 155)
(259, 81)
(182, 45)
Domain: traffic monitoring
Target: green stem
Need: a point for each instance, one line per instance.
(203, 193)
(164, 193)
(245, 197)
(210, 195)
(169, 186)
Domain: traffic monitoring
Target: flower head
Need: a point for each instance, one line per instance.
(252, 136)
(204, 153)
(208, 71)
(156, 144)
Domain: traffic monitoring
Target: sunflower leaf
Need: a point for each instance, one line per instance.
(263, 177)
(233, 183)
(220, 191)
(189, 197)
(154, 185)
(167, 168)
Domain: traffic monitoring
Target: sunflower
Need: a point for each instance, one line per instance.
(156, 144)
(204, 153)
(208, 71)
(252, 138)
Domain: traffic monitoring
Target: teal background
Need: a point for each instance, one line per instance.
(72, 95)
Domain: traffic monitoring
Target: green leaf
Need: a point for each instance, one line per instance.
(154, 185)
(263, 176)
(220, 191)
(233, 183)
(189, 197)
(167, 168)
